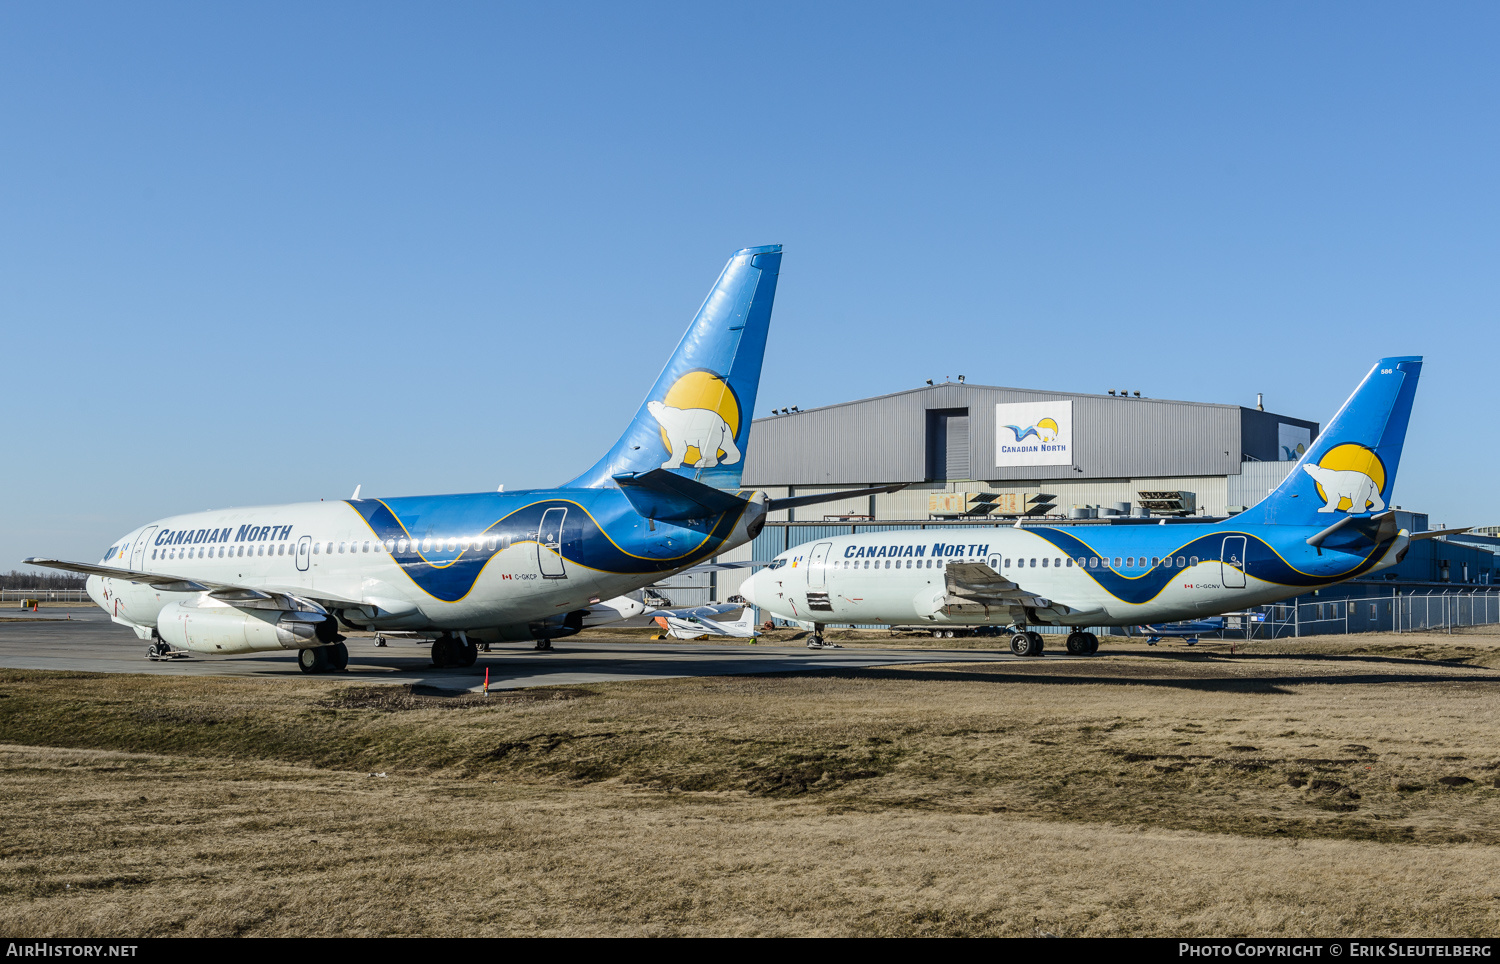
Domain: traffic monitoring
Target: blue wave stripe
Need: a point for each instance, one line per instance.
(449, 575)
(1261, 562)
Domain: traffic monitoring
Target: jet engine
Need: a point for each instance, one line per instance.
(225, 629)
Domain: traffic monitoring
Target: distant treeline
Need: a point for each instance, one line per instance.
(16, 579)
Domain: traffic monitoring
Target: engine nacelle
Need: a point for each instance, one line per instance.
(224, 629)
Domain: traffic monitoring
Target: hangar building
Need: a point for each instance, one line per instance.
(1034, 453)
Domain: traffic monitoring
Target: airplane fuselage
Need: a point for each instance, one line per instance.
(488, 564)
(1102, 575)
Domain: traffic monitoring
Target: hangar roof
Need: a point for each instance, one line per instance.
(891, 438)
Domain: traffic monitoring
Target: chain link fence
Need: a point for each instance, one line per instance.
(45, 595)
(1397, 613)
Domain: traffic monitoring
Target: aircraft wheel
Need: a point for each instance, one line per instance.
(313, 660)
(815, 641)
(443, 652)
(947, 634)
(1093, 643)
(544, 644)
(1078, 644)
(468, 654)
(937, 634)
(1036, 644)
(338, 656)
(1020, 644)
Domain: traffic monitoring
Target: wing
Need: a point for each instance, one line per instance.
(700, 612)
(974, 588)
(243, 597)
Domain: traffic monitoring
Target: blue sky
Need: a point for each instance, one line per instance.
(263, 253)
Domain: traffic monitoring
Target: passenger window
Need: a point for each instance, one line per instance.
(401, 546)
(1033, 563)
(315, 547)
(1044, 563)
(1117, 562)
(1192, 560)
(1070, 562)
(1093, 562)
(365, 547)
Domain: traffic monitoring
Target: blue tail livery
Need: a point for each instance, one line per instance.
(695, 421)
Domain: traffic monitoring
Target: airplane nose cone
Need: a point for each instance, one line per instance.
(747, 589)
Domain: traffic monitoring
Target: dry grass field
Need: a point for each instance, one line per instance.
(1340, 786)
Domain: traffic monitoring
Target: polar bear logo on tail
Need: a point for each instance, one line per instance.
(1340, 484)
(699, 428)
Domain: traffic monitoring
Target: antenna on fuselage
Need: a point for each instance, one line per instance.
(355, 496)
(502, 487)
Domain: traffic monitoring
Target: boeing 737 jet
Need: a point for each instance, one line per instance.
(482, 567)
(1327, 522)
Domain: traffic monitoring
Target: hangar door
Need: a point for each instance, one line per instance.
(948, 444)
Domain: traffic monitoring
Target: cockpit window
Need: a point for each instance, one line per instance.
(777, 564)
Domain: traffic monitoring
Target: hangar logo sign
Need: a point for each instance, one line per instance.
(1034, 433)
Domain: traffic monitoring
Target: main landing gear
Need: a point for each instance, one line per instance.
(323, 659)
(453, 651)
(1082, 644)
(1026, 644)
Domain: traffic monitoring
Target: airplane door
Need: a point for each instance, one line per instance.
(549, 540)
(1232, 559)
(817, 565)
(138, 553)
(304, 552)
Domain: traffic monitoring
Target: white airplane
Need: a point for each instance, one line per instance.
(698, 622)
(481, 567)
(1326, 523)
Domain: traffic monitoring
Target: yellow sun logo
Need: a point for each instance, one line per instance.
(703, 390)
(1351, 457)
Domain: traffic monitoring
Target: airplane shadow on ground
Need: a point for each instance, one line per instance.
(1207, 657)
(1269, 685)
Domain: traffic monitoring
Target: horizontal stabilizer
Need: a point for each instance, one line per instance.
(668, 497)
(1434, 533)
(797, 501)
(1355, 534)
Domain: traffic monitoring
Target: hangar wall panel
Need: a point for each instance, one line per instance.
(1256, 480)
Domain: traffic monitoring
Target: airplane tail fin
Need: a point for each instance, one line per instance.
(1350, 468)
(695, 422)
